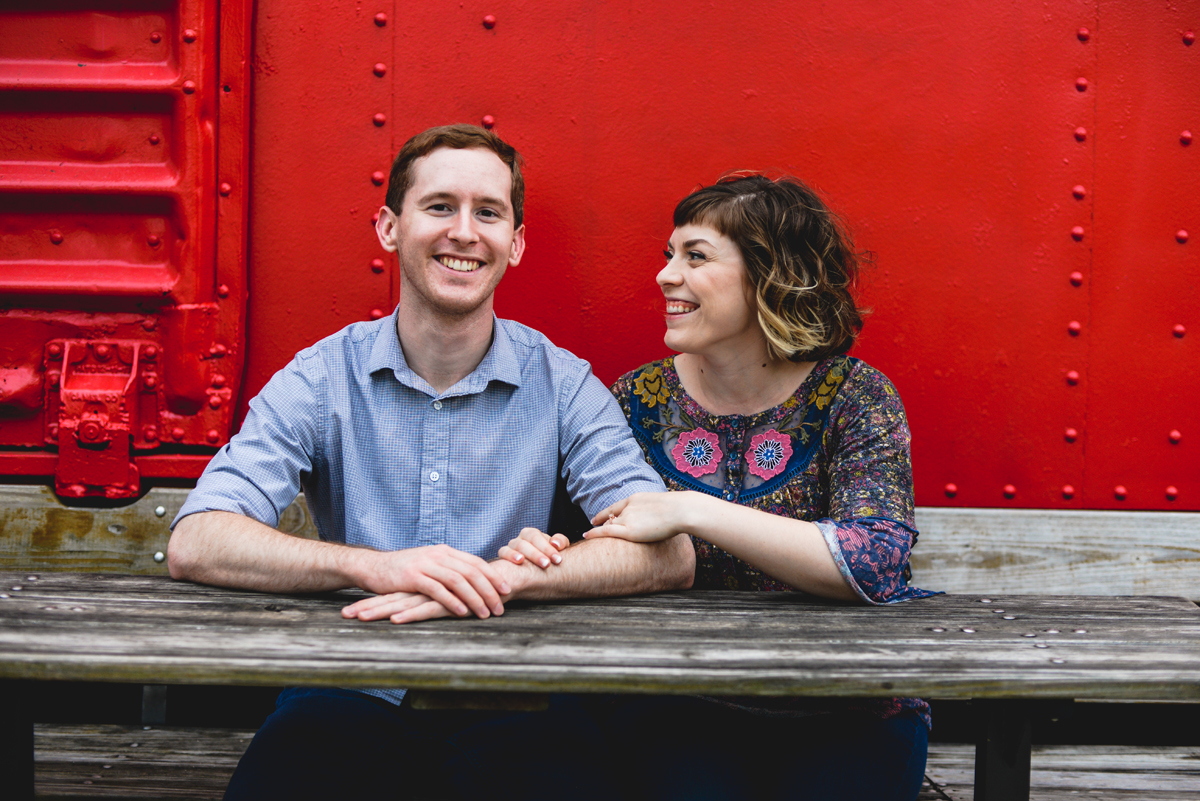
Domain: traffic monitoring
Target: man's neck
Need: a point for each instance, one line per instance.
(444, 350)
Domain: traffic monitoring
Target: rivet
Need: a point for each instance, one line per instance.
(1081, 84)
(1081, 631)
(951, 490)
(1068, 491)
(1041, 645)
(378, 178)
(489, 21)
(160, 511)
(213, 435)
(150, 433)
(1072, 377)
(1077, 233)
(377, 265)
(1080, 133)
(103, 352)
(223, 290)
(149, 324)
(1079, 191)
(224, 189)
(985, 600)
(154, 140)
(56, 236)
(1172, 493)
(1059, 661)
(381, 69)
(4, 595)
(160, 557)
(376, 314)
(214, 401)
(381, 19)
(153, 240)
(1029, 635)
(218, 380)
(1071, 435)
(1052, 631)
(379, 119)
(156, 37)
(1181, 236)
(488, 121)
(55, 350)
(54, 430)
(1074, 327)
(1076, 279)
(1010, 491)
(177, 433)
(189, 87)
(374, 218)
(1185, 138)
(150, 382)
(1175, 435)
(1179, 331)
(1084, 34)
(1189, 37)
(189, 35)
(997, 611)
(53, 377)
(151, 352)
(937, 630)
(1119, 492)
(968, 631)
(218, 350)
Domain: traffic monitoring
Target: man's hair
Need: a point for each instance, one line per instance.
(457, 137)
(799, 259)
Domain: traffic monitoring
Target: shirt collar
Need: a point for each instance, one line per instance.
(499, 363)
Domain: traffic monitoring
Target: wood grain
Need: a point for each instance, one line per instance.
(149, 629)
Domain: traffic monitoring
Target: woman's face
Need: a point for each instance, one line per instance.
(709, 297)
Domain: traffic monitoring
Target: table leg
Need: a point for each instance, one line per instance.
(1002, 750)
(16, 741)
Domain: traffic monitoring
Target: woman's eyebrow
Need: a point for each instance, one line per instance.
(693, 242)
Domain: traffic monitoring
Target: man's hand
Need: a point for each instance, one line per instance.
(461, 583)
(535, 547)
(647, 516)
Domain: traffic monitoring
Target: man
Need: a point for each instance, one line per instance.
(424, 442)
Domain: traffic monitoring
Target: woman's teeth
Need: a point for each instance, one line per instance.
(680, 308)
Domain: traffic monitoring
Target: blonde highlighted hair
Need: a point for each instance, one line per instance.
(798, 257)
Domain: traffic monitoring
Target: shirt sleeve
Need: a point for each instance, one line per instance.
(601, 461)
(870, 529)
(259, 472)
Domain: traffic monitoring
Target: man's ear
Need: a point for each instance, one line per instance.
(518, 246)
(387, 228)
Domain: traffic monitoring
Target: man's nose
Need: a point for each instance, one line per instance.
(463, 228)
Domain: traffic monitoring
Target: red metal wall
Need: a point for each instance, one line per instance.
(1023, 173)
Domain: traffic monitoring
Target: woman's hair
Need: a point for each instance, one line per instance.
(798, 256)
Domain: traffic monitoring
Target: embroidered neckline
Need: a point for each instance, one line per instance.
(798, 400)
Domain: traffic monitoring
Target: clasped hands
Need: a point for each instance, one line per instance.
(439, 581)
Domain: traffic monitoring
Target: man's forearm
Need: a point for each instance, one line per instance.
(605, 568)
(231, 550)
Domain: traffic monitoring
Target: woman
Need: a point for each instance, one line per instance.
(790, 467)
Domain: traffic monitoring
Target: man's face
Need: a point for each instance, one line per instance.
(454, 236)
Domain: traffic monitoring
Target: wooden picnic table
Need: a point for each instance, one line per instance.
(1010, 653)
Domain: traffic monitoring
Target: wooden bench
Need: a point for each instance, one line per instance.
(963, 551)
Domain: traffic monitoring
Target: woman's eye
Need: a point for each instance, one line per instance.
(695, 254)
(668, 255)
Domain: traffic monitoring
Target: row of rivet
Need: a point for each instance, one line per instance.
(1068, 491)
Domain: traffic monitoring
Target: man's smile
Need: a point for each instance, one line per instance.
(459, 265)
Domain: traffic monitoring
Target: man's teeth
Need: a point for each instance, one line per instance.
(459, 265)
(680, 308)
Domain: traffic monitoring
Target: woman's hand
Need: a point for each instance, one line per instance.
(647, 516)
(535, 547)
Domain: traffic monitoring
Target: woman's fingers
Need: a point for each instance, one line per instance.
(611, 512)
(426, 611)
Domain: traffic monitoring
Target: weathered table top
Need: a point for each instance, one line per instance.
(153, 630)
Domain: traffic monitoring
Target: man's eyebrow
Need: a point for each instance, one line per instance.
(485, 201)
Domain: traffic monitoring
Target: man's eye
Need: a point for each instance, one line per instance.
(488, 213)
(439, 207)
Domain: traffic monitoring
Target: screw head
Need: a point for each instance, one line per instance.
(53, 377)
(225, 188)
(1179, 330)
(1077, 233)
(1068, 491)
(376, 314)
(160, 557)
(154, 140)
(1181, 236)
(1074, 327)
(378, 178)
(377, 265)
(1081, 84)
(1080, 133)
(150, 382)
(160, 511)
(488, 121)
(189, 35)
(381, 19)
(489, 21)
(1172, 493)
(380, 119)
(1070, 435)
(1072, 377)
(1175, 436)
(951, 490)
(1119, 492)
(1083, 34)
(381, 69)
(1079, 191)
(1010, 491)
(1077, 278)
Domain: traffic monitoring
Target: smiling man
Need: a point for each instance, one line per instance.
(425, 442)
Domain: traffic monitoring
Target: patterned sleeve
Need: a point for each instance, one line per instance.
(870, 529)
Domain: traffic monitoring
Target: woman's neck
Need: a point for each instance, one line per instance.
(737, 384)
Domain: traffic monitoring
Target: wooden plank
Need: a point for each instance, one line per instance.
(1059, 772)
(147, 629)
(39, 532)
(1015, 551)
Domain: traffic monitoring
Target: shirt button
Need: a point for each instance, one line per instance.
(434, 476)
(437, 405)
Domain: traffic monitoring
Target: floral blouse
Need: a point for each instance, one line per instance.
(836, 453)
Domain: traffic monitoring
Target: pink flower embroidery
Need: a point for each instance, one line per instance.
(769, 453)
(697, 452)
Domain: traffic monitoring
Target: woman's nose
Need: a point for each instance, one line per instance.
(668, 275)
